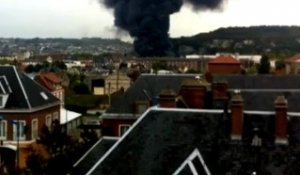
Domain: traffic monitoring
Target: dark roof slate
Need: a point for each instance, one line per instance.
(260, 81)
(264, 100)
(152, 85)
(94, 154)
(25, 93)
(162, 139)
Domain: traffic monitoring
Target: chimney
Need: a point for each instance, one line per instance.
(281, 121)
(220, 91)
(237, 116)
(167, 98)
(193, 92)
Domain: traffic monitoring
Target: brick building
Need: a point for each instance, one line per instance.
(26, 107)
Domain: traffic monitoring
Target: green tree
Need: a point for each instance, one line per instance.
(264, 66)
(280, 64)
(30, 68)
(81, 88)
(159, 65)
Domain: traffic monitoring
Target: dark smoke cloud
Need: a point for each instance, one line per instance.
(148, 21)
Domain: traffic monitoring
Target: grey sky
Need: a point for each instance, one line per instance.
(86, 18)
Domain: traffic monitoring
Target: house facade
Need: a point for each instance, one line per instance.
(224, 65)
(54, 84)
(26, 107)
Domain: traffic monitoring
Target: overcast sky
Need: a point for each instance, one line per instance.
(86, 18)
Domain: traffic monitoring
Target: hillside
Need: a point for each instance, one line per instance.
(94, 46)
(278, 40)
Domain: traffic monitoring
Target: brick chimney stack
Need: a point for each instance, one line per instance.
(281, 121)
(167, 98)
(237, 116)
(193, 92)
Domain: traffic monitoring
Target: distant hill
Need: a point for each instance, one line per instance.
(94, 46)
(245, 40)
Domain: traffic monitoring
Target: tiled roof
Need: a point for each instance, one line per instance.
(295, 58)
(260, 81)
(162, 139)
(25, 94)
(51, 76)
(224, 60)
(48, 79)
(258, 91)
(152, 85)
(93, 155)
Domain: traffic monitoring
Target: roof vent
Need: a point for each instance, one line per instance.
(43, 94)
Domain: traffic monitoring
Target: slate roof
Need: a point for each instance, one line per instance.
(162, 139)
(260, 81)
(260, 100)
(25, 93)
(93, 155)
(152, 85)
(258, 91)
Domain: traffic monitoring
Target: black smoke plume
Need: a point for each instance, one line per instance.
(148, 21)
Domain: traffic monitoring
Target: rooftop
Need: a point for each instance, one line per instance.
(24, 93)
(162, 139)
(222, 59)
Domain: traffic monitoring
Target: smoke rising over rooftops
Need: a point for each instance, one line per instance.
(148, 21)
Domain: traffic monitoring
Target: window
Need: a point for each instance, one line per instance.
(3, 129)
(19, 127)
(43, 94)
(48, 120)
(123, 128)
(55, 116)
(34, 129)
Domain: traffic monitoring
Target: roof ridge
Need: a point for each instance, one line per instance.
(22, 87)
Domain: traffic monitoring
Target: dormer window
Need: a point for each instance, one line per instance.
(5, 90)
(43, 94)
(194, 164)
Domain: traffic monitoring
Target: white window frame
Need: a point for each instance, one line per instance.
(3, 129)
(34, 129)
(122, 126)
(55, 116)
(48, 120)
(22, 134)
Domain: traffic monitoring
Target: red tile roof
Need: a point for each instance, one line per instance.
(295, 58)
(48, 80)
(224, 60)
(52, 77)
